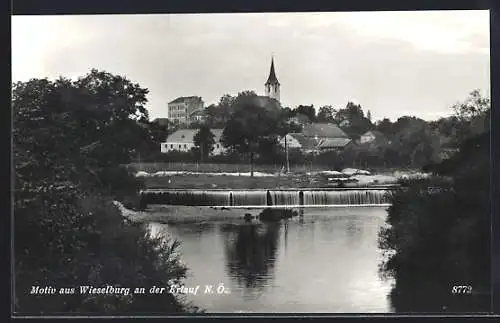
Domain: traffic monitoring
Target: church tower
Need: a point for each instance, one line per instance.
(272, 85)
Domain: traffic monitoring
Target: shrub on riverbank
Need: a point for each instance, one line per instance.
(275, 215)
(439, 238)
(82, 240)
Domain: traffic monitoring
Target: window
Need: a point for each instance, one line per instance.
(217, 145)
(185, 146)
(179, 146)
(171, 146)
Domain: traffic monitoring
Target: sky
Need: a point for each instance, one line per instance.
(391, 63)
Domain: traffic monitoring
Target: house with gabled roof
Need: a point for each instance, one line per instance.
(198, 116)
(323, 130)
(316, 138)
(371, 136)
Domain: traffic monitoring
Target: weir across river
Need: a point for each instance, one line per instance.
(274, 198)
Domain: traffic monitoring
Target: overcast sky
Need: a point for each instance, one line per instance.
(392, 63)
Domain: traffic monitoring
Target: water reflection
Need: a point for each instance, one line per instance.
(354, 232)
(251, 254)
(195, 230)
(285, 229)
(325, 262)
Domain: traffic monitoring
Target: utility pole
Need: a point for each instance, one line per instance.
(287, 160)
(315, 153)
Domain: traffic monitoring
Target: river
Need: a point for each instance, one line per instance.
(325, 262)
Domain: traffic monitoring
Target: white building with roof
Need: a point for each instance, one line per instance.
(183, 140)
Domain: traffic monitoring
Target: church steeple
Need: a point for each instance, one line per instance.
(272, 79)
(272, 84)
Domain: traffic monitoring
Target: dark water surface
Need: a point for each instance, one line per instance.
(325, 262)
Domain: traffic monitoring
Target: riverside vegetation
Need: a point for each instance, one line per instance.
(69, 138)
(439, 238)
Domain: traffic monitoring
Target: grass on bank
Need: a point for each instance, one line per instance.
(203, 181)
(153, 167)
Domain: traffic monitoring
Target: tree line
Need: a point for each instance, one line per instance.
(252, 130)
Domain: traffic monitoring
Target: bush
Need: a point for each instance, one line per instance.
(172, 156)
(229, 158)
(440, 238)
(275, 215)
(85, 241)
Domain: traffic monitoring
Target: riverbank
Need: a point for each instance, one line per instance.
(176, 214)
(181, 214)
(320, 179)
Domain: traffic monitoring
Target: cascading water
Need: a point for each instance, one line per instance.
(268, 198)
(249, 198)
(345, 197)
(285, 197)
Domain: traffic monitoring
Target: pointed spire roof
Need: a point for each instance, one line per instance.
(272, 79)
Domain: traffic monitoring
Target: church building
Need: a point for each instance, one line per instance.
(272, 85)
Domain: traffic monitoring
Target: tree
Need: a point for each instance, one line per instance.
(326, 114)
(358, 124)
(473, 115)
(154, 134)
(204, 141)
(369, 116)
(288, 112)
(385, 126)
(446, 126)
(351, 111)
(253, 120)
(474, 106)
(414, 141)
(307, 110)
(226, 101)
(245, 94)
(219, 114)
(70, 139)
(97, 120)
